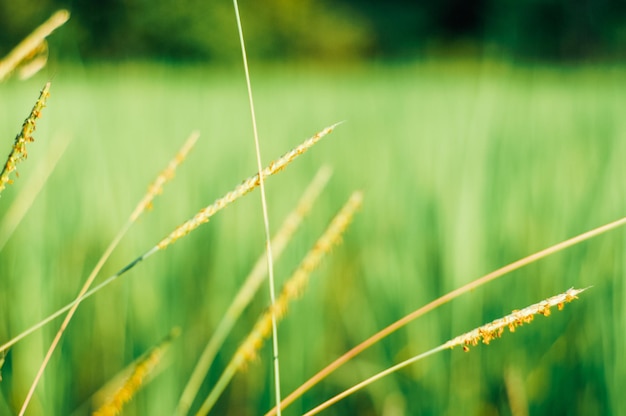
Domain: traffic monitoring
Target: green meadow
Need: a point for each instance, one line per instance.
(465, 167)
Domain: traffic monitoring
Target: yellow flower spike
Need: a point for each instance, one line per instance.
(143, 369)
(490, 331)
(18, 152)
(242, 189)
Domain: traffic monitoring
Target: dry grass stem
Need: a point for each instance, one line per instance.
(249, 288)
(242, 189)
(146, 202)
(31, 45)
(247, 352)
(142, 370)
(484, 334)
(18, 152)
(329, 369)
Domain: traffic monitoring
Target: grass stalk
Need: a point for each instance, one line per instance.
(146, 202)
(329, 369)
(266, 220)
(292, 290)
(200, 218)
(31, 43)
(249, 288)
(484, 334)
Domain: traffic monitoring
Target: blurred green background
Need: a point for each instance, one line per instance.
(478, 134)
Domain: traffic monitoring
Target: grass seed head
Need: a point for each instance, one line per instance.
(495, 329)
(142, 370)
(296, 285)
(18, 152)
(242, 189)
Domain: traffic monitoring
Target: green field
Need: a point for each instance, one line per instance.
(464, 166)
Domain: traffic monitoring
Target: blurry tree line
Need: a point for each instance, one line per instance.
(324, 29)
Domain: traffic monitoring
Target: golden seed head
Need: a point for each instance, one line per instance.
(241, 190)
(19, 152)
(296, 284)
(493, 330)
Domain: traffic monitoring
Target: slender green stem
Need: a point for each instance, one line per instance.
(372, 379)
(266, 221)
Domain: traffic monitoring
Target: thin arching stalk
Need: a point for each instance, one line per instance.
(266, 221)
(485, 333)
(329, 369)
